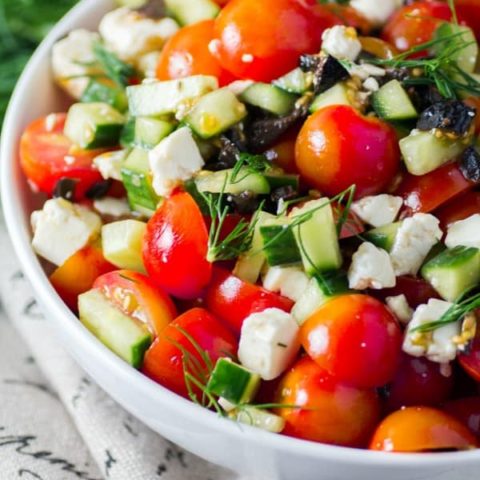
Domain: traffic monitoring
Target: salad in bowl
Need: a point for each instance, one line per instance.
(271, 208)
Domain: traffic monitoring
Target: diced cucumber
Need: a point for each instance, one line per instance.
(392, 102)
(453, 271)
(279, 243)
(339, 94)
(296, 81)
(233, 382)
(137, 180)
(127, 137)
(224, 181)
(259, 418)
(187, 12)
(125, 336)
(100, 92)
(215, 112)
(383, 237)
(149, 132)
(270, 98)
(161, 98)
(283, 180)
(122, 244)
(93, 125)
(316, 236)
(423, 152)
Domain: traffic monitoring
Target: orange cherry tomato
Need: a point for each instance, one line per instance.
(470, 361)
(329, 411)
(378, 47)
(338, 147)
(137, 296)
(467, 411)
(349, 334)
(421, 429)
(459, 208)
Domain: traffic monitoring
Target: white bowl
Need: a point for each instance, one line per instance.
(243, 449)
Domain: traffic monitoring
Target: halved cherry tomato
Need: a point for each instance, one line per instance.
(264, 40)
(459, 208)
(330, 411)
(187, 54)
(470, 361)
(350, 334)
(416, 290)
(421, 429)
(47, 155)
(338, 147)
(78, 273)
(175, 247)
(469, 11)
(137, 296)
(427, 192)
(349, 16)
(177, 350)
(352, 227)
(233, 300)
(467, 410)
(284, 151)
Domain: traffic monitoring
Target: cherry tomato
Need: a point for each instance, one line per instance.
(348, 335)
(352, 227)
(416, 290)
(264, 40)
(338, 147)
(459, 208)
(136, 295)
(470, 361)
(467, 410)
(427, 192)
(469, 11)
(47, 155)
(331, 412)
(176, 350)
(378, 47)
(187, 54)
(175, 247)
(349, 16)
(233, 300)
(421, 429)
(284, 151)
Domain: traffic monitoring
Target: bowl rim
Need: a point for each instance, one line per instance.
(68, 322)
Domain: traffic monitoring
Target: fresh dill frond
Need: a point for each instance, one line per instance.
(114, 68)
(248, 163)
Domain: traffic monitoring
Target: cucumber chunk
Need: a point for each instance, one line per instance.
(125, 336)
(93, 125)
(392, 102)
(187, 12)
(100, 92)
(215, 112)
(162, 98)
(279, 243)
(383, 237)
(127, 137)
(296, 81)
(339, 94)
(270, 98)
(149, 132)
(223, 181)
(259, 418)
(453, 271)
(283, 180)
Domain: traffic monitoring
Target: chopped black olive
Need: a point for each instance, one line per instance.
(227, 157)
(99, 189)
(450, 116)
(285, 193)
(237, 135)
(470, 164)
(424, 96)
(327, 71)
(244, 203)
(65, 188)
(153, 9)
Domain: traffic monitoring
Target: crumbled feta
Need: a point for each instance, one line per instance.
(268, 342)
(341, 42)
(147, 64)
(73, 61)
(130, 34)
(438, 346)
(366, 70)
(291, 282)
(414, 240)
(400, 308)
(62, 228)
(377, 12)
(110, 164)
(115, 207)
(371, 268)
(371, 84)
(464, 232)
(378, 210)
(174, 160)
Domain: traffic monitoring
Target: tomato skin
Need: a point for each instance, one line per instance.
(470, 361)
(469, 11)
(467, 411)
(163, 360)
(349, 16)
(232, 300)
(175, 247)
(348, 335)
(47, 155)
(263, 40)
(420, 429)
(459, 208)
(151, 303)
(338, 147)
(416, 290)
(332, 412)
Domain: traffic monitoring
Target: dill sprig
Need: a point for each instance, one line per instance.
(114, 68)
(247, 164)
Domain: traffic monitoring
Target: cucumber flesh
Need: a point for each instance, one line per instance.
(339, 94)
(187, 12)
(392, 102)
(259, 418)
(383, 237)
(279, 243)
(223, 181)
(269, 98)
(100, 92)
(296, 81)
(149, 132)
(283, 180)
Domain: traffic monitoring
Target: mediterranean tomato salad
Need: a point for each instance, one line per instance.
(272, 208)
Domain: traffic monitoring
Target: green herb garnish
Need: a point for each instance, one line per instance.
(114, 68)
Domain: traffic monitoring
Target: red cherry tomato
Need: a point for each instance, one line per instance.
(459, 208)
(47, 155)
(350, 334)
(338, 147)
(187, 54)
(421, 429)
(470, 361)
(175, 247)
(264, 40)
(416, 290)
(469, 12)
(233, 300)
(284, 151)
(176, 350)
(136, 295)
(349, 16)
(331, 412)
(467, 410)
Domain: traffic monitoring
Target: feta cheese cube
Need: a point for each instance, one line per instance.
(400, 308)
(291, 282)
(414, 240)
(378, 210)
(371, 268)
(109, 164)
(62, 228)
(174, 160)
(114, 207)
(376, 11)
(268, 342)
(341, 42)
(366, 70)
(464, 232)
